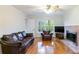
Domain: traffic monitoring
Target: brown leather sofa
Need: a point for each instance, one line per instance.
(16, 43)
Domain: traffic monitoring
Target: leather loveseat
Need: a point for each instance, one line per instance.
(16, 43)
(46, 35)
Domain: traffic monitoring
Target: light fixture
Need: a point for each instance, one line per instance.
(51, 8)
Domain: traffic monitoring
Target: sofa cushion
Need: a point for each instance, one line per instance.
(15, 38)
(20, 36)
(23, 33)
(26, 41)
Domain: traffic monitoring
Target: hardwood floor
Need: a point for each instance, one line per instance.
(48, 47)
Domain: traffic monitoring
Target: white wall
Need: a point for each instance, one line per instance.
(72, 17)
(72, 21)
(11, 20)
(32, 22)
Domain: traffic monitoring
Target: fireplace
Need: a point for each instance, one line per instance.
(71, 36)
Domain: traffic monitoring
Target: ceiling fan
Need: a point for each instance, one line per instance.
(51, 8)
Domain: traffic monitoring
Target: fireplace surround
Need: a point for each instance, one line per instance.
(71, 36)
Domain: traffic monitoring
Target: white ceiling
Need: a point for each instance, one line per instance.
(35, 10)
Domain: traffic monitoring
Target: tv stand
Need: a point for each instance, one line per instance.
(59, 35)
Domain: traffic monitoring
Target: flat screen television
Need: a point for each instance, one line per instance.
(59, 29)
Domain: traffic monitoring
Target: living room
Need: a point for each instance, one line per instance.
(27, 19)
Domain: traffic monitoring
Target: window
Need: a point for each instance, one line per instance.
(46, 25)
